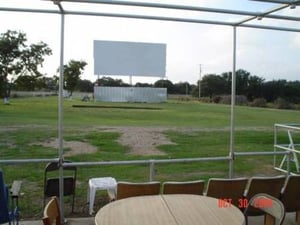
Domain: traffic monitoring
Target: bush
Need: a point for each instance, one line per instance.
(259, 102)
(281, 103)
(216, 99)
(205, 99)
(297, 106)
(239, 99)
(225, 99)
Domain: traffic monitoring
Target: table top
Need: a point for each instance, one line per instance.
(168, 209)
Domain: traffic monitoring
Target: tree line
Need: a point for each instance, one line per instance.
(20, 63)
(217, 88)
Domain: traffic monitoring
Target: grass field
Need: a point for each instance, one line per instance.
(196, 130)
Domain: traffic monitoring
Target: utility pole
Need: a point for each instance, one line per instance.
(199, 83)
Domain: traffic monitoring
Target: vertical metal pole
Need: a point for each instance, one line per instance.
(199, 82)
(233, 88)
(275, 143)
(152, 171)
(60, 117)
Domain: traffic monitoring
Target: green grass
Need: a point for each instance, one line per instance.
(197, 129)
(44, 111)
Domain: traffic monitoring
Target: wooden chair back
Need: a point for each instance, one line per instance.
(230, 189)
(271, 206)
(290, 196)
(52, 212)
(186, 187)
(268, 185)
(129, 189)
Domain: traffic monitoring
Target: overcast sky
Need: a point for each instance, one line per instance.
(265, 53)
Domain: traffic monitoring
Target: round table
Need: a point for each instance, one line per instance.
(174, 209)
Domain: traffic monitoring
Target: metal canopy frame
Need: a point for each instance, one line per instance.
(240, 23)
(244, 22)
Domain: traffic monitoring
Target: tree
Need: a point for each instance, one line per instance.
(85, 86)
(292, 91)
(273, 89)
(138, 84)
(110, 82)
(165, 84)
(242, 81)
(72, 72)
(212, 85)
(182, 88)
(25, 83)
(255, 88)
(18, 59)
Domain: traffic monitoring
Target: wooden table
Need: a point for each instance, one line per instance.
(168, 210)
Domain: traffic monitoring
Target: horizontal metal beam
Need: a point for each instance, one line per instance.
(155, 161)
(288, 126)
(266, 153)
(26, 10)
(184, 7)
(134, 16)
(270, 28)
(23, 161)
(264, 14)
(160, 18)
(279, 1)
(176, 19)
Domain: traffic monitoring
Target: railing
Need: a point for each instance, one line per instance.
(152, 163)
(290, 147)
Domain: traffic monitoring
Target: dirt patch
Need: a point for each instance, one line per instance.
(143, 140)
(140, 140)
(75, 147)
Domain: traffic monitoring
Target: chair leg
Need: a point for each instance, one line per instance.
(246, 220)
(298, 217)
(73, 203)
(269, 220)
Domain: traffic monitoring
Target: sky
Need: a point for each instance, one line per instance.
(269, 54)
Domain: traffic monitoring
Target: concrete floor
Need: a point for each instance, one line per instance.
(259, 220)
(70, 221)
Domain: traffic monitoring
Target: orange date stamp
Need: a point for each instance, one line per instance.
(243, 203)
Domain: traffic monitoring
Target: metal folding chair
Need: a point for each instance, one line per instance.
(51, 182)
(272, 208)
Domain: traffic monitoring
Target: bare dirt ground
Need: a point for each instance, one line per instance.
(75, 147)
(140, 140)
(143, 141)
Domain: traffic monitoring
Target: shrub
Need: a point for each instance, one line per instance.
(225, 99)
(205, 99)
(216, 99)
(239, 99)
(281, 103)
(259, 102)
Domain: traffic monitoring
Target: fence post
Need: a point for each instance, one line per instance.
(152, 170)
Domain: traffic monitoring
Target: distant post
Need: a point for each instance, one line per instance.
(199, 83)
